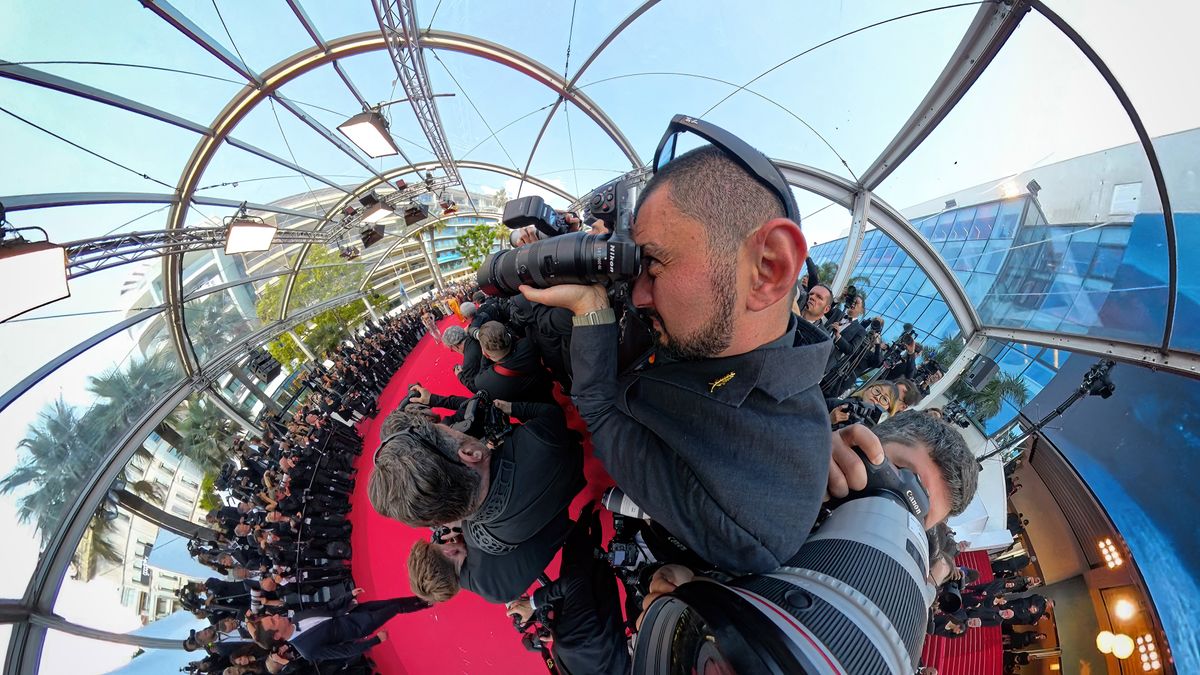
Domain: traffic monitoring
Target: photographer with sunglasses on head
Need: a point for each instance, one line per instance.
(724, 440)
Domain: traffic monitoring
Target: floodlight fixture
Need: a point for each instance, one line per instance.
(245, 233)
(34, 273)
(369, 131)
(1034, 187)
(374, 208)
(951, 203)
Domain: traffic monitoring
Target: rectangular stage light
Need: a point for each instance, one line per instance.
(246, 235)
(36, 275)
(369, 131)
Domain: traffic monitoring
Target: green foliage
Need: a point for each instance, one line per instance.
(476, 243)
(207, 433)
(209, 499)
(827, 271)
(315, 285)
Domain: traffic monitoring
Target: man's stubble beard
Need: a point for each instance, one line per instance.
(714, 337)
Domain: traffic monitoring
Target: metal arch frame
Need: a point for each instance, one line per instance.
(296, 65)
(1180, 363)
(633, 16)
(403, 236)
(371, 184)
(896, 226)
(59, 199)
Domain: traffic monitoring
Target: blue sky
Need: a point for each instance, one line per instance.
(1039, 103)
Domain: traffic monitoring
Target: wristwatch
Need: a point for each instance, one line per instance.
(596, 318)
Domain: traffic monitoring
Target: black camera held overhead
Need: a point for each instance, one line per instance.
(926, 371)
(861, 412)
(566, 257)
(895, 351)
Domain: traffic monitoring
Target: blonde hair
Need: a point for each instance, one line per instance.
(431, 575)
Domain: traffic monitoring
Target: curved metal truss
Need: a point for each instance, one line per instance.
(994, 22)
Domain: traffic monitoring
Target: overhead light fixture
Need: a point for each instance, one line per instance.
(951, 203)
(40, 267)
(369, 131)
(1034, 187)
(1122, 646)
(1108, 551)
(374, 209)
(245, 233)
(371, 235)
(1104, 641)
(1124, 609)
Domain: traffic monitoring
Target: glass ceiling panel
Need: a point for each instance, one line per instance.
(576, 154)
(856, 92)
(236, 174)
(52, 437)
(73, 223)
(501, 95)
(271, 127)
(552, 21)
(119, 33)
(97, 302)
(220, 319)
(1062, 135)
(145, 146)
(245, 23)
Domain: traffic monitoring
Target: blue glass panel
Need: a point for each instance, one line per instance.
(978, 286)
(1079, 256)
(1187, 298)
(931, 318)
(947, 327)
(993, 256)
(944, 223)
(1008, 218)
(914, 310)
(962, 223)
(985, 220)
(970, 256)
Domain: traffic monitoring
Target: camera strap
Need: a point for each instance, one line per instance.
(507, 372)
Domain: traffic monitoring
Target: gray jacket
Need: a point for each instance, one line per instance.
(730, 455)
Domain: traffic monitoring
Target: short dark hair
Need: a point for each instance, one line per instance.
(708, 185)
(422, 486)
(912, 392)
(263, 637)
(494, 337)
(946, 447)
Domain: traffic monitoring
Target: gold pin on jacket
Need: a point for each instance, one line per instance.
(717, 384)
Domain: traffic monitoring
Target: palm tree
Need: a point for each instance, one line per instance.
(827, 271)
(986, 404)
(59, 457)
(128, 390)
(207, 433)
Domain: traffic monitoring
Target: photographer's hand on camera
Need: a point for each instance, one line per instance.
(846, 470)
(579, 299)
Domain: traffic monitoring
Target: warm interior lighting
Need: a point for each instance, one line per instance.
(243, 235)
(369, 131)
(35, 274)
(1124, 609)
(374, 210)
(1110, 554)
(1148, 652)
(1055, 666)
(1104, 641)
(1122, 646)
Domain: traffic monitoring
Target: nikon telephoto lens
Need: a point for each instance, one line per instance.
(853, 600)
(574, 258)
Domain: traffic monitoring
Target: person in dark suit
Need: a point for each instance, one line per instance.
(582, 608)
(724, 439)
(335, 631)
(516, 372)
(438, 571)
(458, 340)
(1030, 609)
(431, 474)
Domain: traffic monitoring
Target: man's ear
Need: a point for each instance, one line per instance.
(777, 251)
(471, 454)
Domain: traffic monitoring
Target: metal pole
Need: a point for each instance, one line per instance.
(303, 348)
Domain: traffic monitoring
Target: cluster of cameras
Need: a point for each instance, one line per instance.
(870, 552)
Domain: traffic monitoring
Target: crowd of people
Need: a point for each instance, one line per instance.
(281, 544)
(746, 418)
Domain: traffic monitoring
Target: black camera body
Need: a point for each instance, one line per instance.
(533, 210)
(861, 412)
(568, 257)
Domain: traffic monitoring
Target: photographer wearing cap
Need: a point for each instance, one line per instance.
(724, 440)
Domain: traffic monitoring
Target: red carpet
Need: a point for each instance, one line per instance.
(465, 635)
(979, 652)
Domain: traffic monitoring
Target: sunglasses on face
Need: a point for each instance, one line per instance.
(754, 162)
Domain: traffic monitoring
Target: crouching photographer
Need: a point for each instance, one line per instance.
(724, 439)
